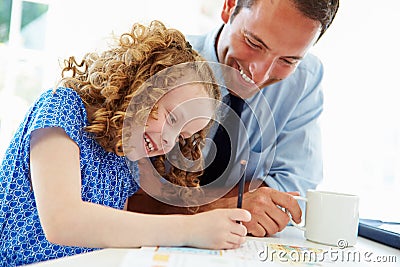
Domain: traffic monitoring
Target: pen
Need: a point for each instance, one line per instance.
(243, 164)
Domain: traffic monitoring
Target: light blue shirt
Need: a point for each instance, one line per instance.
(285, 148)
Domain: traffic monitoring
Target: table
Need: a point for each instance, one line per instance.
(370, 253)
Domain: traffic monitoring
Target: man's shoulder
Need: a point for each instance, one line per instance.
(197, 41)
(204, 43)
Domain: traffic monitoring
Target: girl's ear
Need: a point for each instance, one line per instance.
(227, 10)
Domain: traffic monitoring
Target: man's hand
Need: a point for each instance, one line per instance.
(265, 205)
(267, 218)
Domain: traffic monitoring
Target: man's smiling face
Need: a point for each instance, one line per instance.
(266, 42)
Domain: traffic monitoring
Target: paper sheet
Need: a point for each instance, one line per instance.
(252, 253)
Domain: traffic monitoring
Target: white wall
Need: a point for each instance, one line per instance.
(361, 125)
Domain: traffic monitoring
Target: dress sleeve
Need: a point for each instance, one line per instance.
(60, 108)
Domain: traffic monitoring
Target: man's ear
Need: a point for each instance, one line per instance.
(227, 10)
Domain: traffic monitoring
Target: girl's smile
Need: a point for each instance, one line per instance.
(182, 111)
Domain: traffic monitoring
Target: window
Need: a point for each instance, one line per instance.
(22, 49)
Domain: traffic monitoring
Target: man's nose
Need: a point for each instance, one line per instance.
(261, 70)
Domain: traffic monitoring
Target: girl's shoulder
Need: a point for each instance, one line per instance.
(61, 107)
(60, 102)
(62, 95)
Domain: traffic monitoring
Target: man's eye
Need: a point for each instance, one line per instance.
(252, 44)
(289, 62)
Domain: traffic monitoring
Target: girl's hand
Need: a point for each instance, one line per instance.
(217, 229)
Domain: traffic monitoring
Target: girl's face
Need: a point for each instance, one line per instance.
(182, 111)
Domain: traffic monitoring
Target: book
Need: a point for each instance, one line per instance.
(387, 233)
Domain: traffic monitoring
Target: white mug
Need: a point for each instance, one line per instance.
(331, 218)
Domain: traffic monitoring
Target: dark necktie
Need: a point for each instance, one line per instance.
(224, 142)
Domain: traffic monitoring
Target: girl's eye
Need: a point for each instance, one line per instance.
(171, 118)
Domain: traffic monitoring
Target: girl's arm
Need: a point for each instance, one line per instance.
(67, 220)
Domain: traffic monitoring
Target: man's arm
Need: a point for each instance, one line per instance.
(144, 203)
(263, 203)
(297, 164)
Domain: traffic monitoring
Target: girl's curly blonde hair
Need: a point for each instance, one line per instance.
(108, 81)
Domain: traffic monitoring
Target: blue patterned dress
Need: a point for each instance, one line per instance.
(106, 179)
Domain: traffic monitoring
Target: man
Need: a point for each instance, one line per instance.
(267, 42)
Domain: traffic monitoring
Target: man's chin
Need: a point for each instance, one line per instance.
(269, 82)
(249, 94)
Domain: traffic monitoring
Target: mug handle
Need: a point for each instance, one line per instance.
(297, 225)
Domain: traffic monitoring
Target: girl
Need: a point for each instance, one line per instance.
(65, 178)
